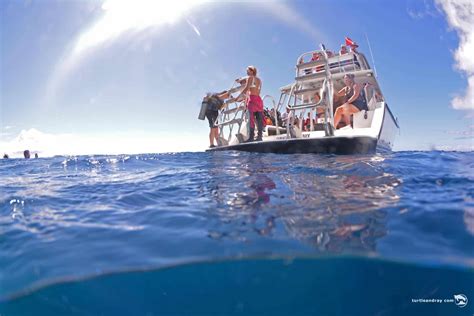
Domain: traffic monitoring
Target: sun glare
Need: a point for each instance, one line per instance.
(132, 15)
(119, 17)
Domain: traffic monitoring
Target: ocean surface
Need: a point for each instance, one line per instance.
(237, 233)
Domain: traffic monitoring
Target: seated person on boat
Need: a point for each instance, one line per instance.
(354, 100)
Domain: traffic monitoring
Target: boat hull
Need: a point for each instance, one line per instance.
(388, 131)
(326, 145)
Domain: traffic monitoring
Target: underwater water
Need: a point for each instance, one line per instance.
(237, 233)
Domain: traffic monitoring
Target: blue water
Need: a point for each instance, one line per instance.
(250, 233)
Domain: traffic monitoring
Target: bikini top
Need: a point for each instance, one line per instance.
(254, 83)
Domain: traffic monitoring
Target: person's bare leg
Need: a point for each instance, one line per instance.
(347, 115)
(337, 116)
(211, 137)
(350, 110)
(344, 114)
(343, 118)
(215, 134)
(347, 120)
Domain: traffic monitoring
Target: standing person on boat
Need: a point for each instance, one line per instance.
(215, 102)
(253, 86)
(285, 118)
(355, 100)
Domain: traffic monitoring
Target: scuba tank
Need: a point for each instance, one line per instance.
(204, 106)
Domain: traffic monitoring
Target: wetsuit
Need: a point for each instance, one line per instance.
(214, 104)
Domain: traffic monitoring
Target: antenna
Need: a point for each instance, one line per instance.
(371, 55)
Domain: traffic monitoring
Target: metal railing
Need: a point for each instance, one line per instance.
(337, 64)
(231, 115)
(275, 111)
(326, 96)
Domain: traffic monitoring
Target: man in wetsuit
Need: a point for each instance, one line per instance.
(215, 102)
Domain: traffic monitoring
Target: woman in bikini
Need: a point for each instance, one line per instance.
(253, 86)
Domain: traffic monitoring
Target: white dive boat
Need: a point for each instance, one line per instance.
(370, 131)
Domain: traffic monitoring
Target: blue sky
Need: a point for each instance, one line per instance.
(91, 76)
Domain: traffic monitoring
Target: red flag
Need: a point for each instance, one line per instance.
(350, 42)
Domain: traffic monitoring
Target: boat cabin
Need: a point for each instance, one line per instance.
(310, 94)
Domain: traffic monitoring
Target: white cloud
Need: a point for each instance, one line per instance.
(462, 134)
(418, 10)
(459, 147)
(460, 16)
(47, 144)
(291, 17)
